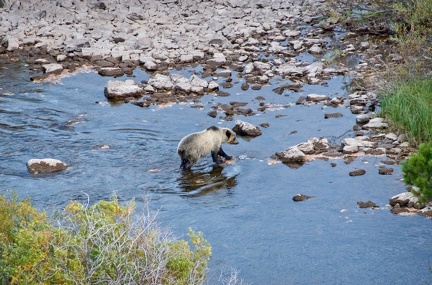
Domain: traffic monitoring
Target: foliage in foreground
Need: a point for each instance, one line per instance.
(409, 108)
(101, 244)
(417, 171)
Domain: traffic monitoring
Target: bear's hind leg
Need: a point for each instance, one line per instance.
(215, 157)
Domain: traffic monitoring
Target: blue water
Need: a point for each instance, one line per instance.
(245, 208)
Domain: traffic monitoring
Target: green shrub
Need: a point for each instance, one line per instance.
(103, 244)
(417, 171)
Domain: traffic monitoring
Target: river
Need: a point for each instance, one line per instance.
(245, 208)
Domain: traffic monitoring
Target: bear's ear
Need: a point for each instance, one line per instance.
(228, 134)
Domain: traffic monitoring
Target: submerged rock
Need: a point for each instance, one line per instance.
(45, 165)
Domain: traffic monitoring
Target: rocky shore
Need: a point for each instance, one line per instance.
(258, 40)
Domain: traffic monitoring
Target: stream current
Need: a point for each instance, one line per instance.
(245, 208)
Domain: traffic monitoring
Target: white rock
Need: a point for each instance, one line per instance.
(61, 57)
(291, 70)
(52, 67)
(306, 147)
(196, 81)
(248, 68)
(315, 49)
(12, 43)
(160, 81)
(213, 85)
(348, 149)
(292, 154)
(246, 129)
(362, 119)
(391, 136)
(150, 65)
(185, 58)
(262, 65)
(115, 89)
(183, 86)
(45, 165)
(376, 123)
(316, 97)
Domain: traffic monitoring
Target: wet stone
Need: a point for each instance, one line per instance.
(301, 197)
(246, 129)
(385, 170)
(245, 86)
(300, 100)
(332, 115)
(212, 114)
(368, 204)
(357, 172)
(110, 71)
(119, 90)
(45, 165)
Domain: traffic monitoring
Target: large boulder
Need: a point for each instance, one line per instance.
(45, 165)
(120, 90)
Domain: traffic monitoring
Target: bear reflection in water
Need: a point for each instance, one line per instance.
(201, 181)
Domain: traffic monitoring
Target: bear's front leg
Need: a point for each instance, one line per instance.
(186, 164)
(222, 153)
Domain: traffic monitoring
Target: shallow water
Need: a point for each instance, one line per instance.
(245, 208)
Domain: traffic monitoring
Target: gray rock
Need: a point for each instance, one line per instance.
(119, 90)
(301, 197)
(292, 154)
(196, 81)
(385, 170)
(306, 147)
(150, 65)
(376, 123)
(403, 199)
(362, 119)
(246, 129)
(183, 87)
(12, 43)
(45, 165)
(315, 49)
(111, 71)
(53, 68)
(316, 97)
(161, 82)
(368, 204)
(213, 86)
(291, 70)
(357, 172)
(349, 149)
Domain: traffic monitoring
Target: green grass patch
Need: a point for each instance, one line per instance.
(408, 106)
